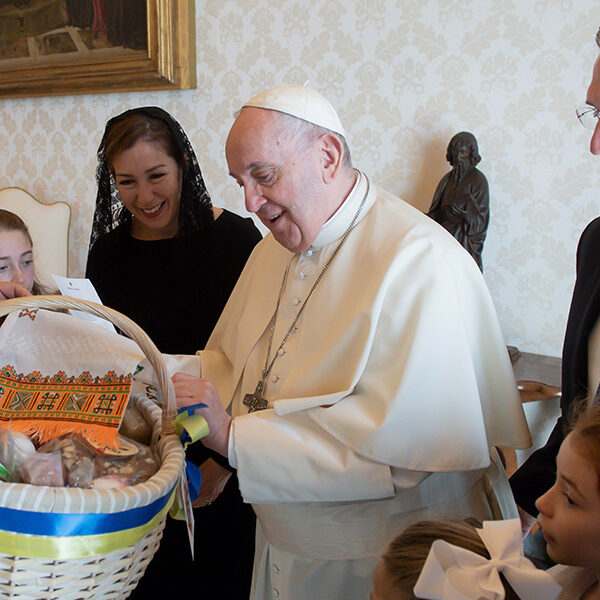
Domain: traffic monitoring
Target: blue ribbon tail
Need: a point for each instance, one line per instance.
(194, 478)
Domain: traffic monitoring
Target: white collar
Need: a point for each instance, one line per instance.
(337, 224)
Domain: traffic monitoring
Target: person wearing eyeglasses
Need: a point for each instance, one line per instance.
(581, 348)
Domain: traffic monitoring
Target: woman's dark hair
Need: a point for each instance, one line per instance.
(136, 126)
(11, 222)
(153, 124)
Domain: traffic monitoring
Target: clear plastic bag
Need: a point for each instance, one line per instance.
(134, 426)
(77, 458)
(15, 449)
(136, 466)
(44, 468)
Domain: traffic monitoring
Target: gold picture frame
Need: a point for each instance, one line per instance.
(167, 62)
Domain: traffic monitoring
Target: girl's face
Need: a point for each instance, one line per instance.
(570, 510)
(149, 183)
(16, 259)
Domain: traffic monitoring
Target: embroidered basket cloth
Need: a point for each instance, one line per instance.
(60, 375)
(72, 543)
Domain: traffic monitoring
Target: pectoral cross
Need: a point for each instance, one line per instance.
(255, 401)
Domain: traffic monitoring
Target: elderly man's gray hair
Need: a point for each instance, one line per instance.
(303, 134)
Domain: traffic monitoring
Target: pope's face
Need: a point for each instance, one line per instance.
(570, 510)
(593, 99)
(283, 183)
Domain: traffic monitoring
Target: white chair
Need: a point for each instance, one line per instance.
(48, 225)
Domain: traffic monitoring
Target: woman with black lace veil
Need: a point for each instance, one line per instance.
(164, 256)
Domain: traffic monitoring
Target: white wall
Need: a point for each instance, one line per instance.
(405, 76)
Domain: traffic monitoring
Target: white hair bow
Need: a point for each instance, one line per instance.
(453, 573)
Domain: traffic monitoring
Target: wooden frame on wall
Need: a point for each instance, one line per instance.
(168, 62)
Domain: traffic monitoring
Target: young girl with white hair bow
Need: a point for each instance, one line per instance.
(454, 560)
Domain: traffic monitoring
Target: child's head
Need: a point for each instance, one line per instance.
(402, 562)
(570, 509)
(16, 252)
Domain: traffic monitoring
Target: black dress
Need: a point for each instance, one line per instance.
(537, 474)
(194, 277)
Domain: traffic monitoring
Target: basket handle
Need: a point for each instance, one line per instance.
(125, 324)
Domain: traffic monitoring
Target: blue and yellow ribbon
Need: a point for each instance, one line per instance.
(76, 535)
(190, 427)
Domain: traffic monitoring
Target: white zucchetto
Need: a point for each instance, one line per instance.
(302, 102)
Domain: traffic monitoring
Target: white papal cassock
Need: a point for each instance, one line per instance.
(383, 404)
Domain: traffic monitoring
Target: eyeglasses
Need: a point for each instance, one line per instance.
(588, 116)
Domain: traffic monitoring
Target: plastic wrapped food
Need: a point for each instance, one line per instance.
(82, 473)
(15, 449)
(135, 465)
(73, 461)
(107, 482)
(44, 468)
(77, 458)
(134, 426)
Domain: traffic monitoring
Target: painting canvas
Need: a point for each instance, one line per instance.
(78, 46)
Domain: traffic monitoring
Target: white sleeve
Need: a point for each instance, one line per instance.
(292, 459)
(175, 363)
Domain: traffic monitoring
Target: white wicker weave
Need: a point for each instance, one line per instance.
(112, 575)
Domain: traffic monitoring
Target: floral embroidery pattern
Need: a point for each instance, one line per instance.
(29, 312)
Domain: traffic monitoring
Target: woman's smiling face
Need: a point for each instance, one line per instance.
(149, 183)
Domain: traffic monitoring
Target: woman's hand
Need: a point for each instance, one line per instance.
(190, 390)
(214, 478)
(8, 290)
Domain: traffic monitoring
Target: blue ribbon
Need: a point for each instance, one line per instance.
(194, 478)
(71, 524)
(192, 471)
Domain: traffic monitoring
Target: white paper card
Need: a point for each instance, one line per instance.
(183, 498)
(82, 289)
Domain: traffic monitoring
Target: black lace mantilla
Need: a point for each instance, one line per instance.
(195, 212)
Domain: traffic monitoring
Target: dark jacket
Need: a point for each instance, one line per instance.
(537, 474)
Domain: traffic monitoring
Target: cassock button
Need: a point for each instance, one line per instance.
(309, 252)
(275, 593)
(296, 301)
(302, 275)
(275, 379)
(281, 351)
(275, 569)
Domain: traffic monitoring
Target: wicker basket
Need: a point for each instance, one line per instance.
(114, 574)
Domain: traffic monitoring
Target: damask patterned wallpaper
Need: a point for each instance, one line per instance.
(405, 76)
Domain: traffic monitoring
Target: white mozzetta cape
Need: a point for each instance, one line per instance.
(397, 370)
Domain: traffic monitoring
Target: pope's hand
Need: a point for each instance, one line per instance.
(214, 478)
(191, 390)
(8, 289)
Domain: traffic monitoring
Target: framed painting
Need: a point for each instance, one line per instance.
(53, 47)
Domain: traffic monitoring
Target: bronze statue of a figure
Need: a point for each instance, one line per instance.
(461, 202)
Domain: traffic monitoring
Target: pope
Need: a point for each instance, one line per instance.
(357, 378)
